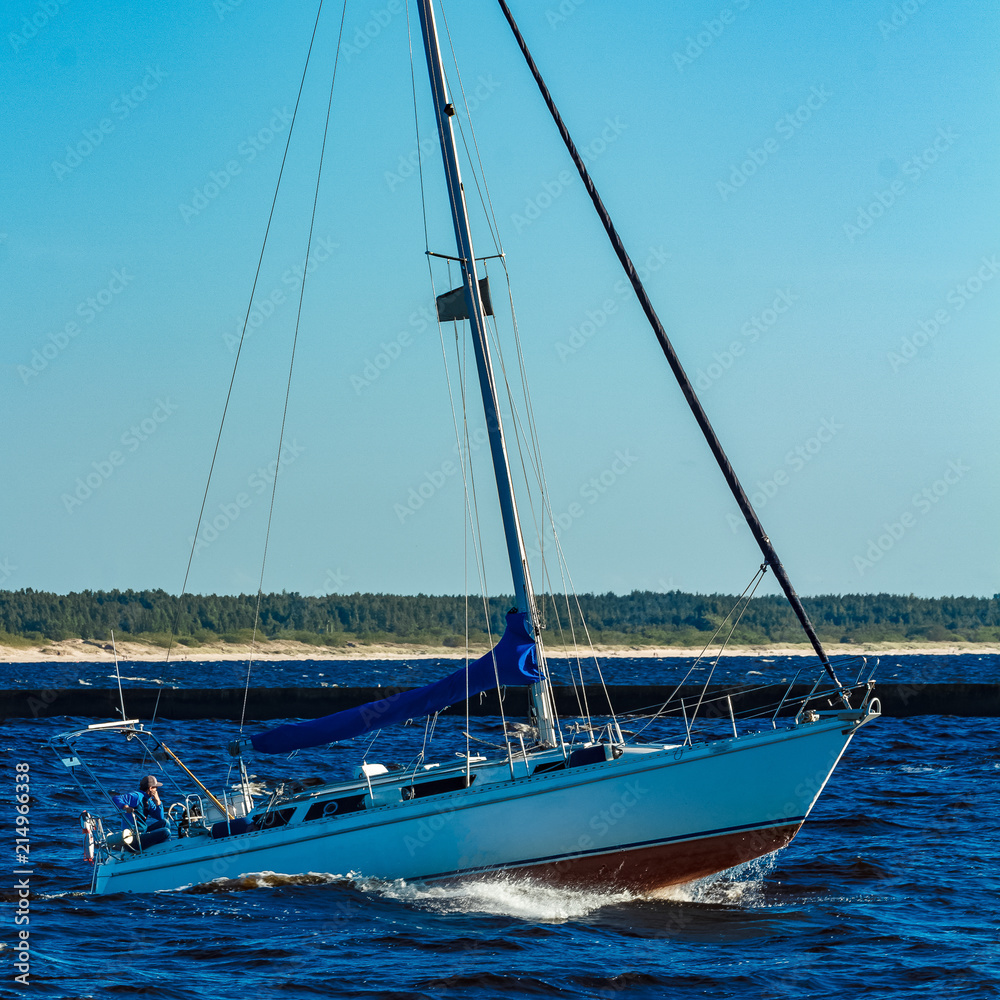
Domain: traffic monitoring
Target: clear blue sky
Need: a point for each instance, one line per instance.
(814, 189)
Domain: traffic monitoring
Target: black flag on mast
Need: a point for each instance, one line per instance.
(451, 305)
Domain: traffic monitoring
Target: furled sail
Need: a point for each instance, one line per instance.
(512, 661)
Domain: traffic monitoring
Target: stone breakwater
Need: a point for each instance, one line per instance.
(897, 700)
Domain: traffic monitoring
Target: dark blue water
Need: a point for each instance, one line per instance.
(922, 668)
(889, 891)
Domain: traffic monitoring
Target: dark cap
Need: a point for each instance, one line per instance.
(150, 781)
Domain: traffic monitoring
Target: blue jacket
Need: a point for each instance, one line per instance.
(147, 814)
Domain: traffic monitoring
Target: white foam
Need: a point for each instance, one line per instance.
(501, 896)
(742, 886)
(521, 897)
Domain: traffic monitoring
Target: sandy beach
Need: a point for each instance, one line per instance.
(93, 651)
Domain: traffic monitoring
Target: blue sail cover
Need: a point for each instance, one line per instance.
(512, 661)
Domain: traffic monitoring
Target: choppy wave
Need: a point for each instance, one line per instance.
(259, 880)
(890, 883)
(519, 897)
(911, 668)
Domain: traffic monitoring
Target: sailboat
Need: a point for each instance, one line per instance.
(583, 805)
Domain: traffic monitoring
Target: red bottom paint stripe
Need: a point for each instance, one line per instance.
(644, 869)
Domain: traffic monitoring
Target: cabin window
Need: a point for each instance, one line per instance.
(588, 755)
(549, 765)
(335, 807)
(272, 820)
(441, 785)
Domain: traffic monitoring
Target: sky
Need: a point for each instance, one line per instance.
(810, 193)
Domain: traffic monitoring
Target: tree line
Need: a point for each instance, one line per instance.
(638, 618)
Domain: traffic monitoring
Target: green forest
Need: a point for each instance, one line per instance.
(642, 618)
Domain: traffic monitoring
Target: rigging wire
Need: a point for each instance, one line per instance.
(524, 429)
(291, 365)
(416, 128)
(243, 332)
(687, 389)
(526, 437)
(461, 436)
(486, 203)
(471, 498)
(750, 588)
(430, 274)
(523, 438)
(491, 220)
(746, 604)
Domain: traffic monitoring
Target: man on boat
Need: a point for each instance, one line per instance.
(143, 813)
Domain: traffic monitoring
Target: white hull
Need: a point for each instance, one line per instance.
(650, 818)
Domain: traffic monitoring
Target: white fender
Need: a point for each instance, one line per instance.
(88, 836)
